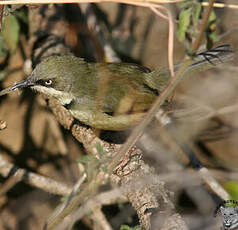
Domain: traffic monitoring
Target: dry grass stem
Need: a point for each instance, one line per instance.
(15, 2)
(221, 5)
(72, 194)
(170, 37)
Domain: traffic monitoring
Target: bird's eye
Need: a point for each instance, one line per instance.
(48, 82)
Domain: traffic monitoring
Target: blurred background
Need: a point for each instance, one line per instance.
(204, 110)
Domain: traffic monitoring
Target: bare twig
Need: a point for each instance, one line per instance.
(33, 179)
(1, 15)
(171, 37)
(72, 194)
(110, 197)
(15, 2)
(221, 5)
(214, 185)
(100, 221)
(203, 26)
(10, 182)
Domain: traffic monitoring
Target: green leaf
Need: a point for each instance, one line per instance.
(22, 14)
(212, 16)
(214, 37)
(3, 74)
(126, 227)
(3, 49)
(84, 159)
(100, 148)
(10, 32)
(89, 213)
(197, 11)
(64, 198)
(232, 189)
(184, 22)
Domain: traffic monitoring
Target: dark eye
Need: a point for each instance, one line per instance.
(48, 82)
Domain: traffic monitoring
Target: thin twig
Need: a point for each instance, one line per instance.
(10, 182)
(38, 181)
(221, 5)
(61, 207)
(100, 221)
(214, 185)
(171, 36)
(1, 15)
(203, 26)
(110, 197)
(15, 2)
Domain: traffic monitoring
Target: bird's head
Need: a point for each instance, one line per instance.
(50, 77)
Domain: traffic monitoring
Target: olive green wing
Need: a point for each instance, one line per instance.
(122, 88)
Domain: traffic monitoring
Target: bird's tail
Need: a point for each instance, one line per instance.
(159, 78)
(210, 58)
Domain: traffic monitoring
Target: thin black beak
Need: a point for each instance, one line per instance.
(19, 85)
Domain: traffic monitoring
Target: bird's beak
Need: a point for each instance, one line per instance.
(19, 85)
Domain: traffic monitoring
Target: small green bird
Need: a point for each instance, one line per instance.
(108, 96)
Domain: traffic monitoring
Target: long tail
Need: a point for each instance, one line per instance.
(159, 78)
(210, 58)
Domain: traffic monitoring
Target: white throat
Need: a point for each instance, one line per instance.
(62, 97)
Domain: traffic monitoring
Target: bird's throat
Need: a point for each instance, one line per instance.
(63, 97)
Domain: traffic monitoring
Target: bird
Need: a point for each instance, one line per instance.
(109, 96)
